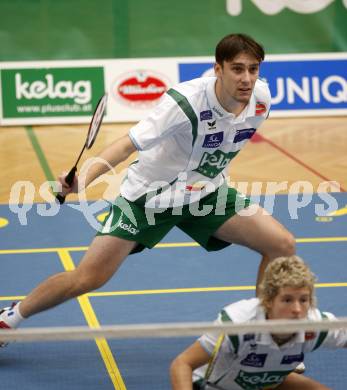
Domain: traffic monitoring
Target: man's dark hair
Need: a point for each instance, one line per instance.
(233, 44)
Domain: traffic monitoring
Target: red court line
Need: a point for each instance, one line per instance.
(260, 138)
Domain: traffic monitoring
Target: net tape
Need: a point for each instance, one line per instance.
(161, 330)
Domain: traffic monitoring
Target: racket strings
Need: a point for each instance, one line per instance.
(96, 121)
(91, 136)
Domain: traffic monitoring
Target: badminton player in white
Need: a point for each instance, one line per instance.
(260, 361)
(184, 149)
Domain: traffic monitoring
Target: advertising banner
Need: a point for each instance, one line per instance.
(50, 92)
(300, 85)
(57, 92)
(67, 91)
(135, 86)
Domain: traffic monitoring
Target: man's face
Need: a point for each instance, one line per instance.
(238, 76)
(290, 304)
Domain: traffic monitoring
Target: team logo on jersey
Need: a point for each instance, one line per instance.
(211, 125)
(289, 359)
(260, 380)
(260, 108)
(205, 115)
(254, 360)
(212, 164)
(213, 140)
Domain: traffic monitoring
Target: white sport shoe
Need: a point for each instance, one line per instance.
(4, 313)
(300, 369)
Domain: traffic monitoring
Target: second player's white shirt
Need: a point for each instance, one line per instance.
(255, 361)
(187, 142)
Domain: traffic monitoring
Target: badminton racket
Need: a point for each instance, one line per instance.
(93, 130)
(205, 383)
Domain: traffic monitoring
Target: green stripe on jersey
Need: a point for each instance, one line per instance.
(234, 339)
(182, 101)
(322, 335)
(224, 316)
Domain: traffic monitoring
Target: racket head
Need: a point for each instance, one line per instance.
(96, 121)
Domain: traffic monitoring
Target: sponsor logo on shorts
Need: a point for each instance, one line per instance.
(128, 227)
(254, 360)
(213, 140)
(257, 380)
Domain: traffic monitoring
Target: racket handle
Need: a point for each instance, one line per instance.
(68, 180)
(70, 176)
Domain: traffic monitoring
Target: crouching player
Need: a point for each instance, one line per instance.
(260, 361)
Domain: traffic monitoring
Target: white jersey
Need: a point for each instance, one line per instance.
(255, 361)
(187, 142)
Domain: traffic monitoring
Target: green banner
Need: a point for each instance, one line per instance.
(51, 91)
(83, 29)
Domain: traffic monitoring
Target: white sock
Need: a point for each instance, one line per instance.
(12, 317)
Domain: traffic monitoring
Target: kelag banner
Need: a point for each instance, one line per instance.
(89, 29)
(51, 92)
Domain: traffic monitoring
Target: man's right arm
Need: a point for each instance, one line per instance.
(111, 156)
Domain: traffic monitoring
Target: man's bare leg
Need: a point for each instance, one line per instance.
(103, 258)
(258, 231)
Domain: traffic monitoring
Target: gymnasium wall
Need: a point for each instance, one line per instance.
(83, 29)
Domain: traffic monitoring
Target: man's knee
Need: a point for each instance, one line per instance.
(283, 246)
(87, 281)
(288, 245)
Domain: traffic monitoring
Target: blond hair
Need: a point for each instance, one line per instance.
(286, 272)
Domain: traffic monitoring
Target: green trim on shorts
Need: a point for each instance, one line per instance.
(199, 220)
(182, 101)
